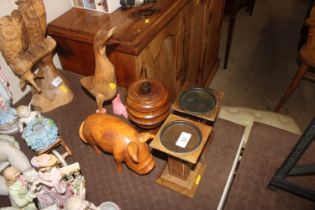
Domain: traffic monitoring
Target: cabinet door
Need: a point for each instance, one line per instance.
(195, 15)
(162, 59)
(210, 61)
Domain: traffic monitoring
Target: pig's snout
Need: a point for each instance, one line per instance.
(143, 167)
(147, 166)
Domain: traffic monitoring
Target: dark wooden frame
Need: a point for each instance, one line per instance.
(289, 167)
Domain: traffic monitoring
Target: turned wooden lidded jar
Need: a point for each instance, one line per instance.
(148, 103)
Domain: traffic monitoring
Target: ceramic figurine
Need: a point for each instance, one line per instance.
(40, 133)
(26, 115)
(8, 116)
(44, 162)
(23, 45)
(118, 107)
(73, 176)
(10, 154)
(52, 189)
(102, 85)
(19, 192)
(115, 136)
(9, 208)
(76, 203)
(108, 205)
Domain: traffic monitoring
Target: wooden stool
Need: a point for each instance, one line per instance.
(307, 57)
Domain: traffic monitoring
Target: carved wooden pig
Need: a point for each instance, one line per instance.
(112, 135)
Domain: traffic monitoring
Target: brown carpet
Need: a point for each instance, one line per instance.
(129, 190)
(265, 151)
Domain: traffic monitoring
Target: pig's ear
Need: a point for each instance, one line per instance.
(133, 151)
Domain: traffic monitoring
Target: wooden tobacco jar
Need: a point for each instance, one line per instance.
(148, 103)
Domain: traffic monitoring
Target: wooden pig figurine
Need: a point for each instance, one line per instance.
(112, 135)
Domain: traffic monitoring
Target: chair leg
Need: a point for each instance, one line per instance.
(229, 41)
(251, 6)
(293, 85)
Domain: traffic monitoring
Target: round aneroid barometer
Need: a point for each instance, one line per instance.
(180, 136)
(197, 100)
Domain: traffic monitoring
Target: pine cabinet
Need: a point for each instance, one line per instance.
(175, 41)
(203, 22)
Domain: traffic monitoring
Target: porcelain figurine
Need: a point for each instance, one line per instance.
(76, 203)
(44, 162)
(113, 135)
(8, 115)
(19, 192)
(9, 208)
(118, 107)
(102, 85)
(40, 133)
(26, 115)
(11, 155)
(52, 189)
(72, 175)
(109, 205)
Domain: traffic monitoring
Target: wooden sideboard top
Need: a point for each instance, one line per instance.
(134, 33)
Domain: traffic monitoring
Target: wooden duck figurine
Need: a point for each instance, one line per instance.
(102, 85)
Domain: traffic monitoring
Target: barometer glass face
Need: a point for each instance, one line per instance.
(197, 100)
(180, 136)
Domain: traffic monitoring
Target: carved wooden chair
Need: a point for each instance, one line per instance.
(24, 45)
(307, 58)
(230, 11)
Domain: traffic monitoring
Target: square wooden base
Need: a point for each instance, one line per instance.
(186, 187)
